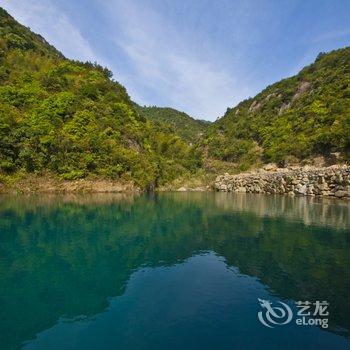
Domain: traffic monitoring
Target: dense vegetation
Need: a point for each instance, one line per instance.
(71, 119)
(299, 117)
(180, 123)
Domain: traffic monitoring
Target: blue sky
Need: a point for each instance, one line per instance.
(196, 56)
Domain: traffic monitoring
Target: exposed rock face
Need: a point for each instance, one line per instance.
(283, 108)
(254, 106)
(306, 181)
(302, 88)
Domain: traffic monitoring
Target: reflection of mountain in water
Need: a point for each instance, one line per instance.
(65, 256)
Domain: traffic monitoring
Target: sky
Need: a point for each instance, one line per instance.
(196, 56)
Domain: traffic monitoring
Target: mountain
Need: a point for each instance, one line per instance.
(294, 119)
(14, 35)
(170, 119)
(70, 119)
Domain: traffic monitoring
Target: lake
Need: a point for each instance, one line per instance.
(174, 271)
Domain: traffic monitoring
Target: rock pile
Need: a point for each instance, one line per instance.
(329, 181)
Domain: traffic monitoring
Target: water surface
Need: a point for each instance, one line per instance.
(173, 270)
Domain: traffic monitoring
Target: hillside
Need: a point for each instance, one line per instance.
(14, 35)
(294, 119)
(170, 119)
(70, 119)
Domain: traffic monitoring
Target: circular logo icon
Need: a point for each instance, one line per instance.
(274, 315)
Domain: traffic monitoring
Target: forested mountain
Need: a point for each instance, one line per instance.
(299, 117)
(13, 35)
(170, 119)
(71, 119)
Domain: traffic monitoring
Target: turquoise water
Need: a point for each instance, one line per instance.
(170, 271)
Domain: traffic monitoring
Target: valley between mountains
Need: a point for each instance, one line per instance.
(69, 126)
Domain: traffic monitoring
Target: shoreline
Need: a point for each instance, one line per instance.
(331, 182)
(37, 184)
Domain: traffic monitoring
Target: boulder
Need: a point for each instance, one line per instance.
(307, 180)
(182, 189)
(270, 167)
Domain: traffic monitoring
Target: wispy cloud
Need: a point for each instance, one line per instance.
(197, 56)
(167, 67)
(163, 66)
(45, 18)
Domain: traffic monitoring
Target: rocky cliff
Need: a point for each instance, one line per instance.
(328, 181)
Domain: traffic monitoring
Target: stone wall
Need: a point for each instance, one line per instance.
(329, 181)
